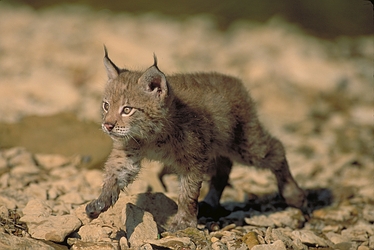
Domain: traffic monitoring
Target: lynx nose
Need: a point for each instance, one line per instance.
(108, 126)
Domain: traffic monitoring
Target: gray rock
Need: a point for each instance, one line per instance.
(336, 238)
(140, 225)
(356, 233)
(277, 245)
(309, 238)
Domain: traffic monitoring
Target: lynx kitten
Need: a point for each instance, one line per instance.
(197, 124)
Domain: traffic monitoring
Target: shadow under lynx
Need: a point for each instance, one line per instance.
(196, 124)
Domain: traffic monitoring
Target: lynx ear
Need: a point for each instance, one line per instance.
(111, 69)
(154, 81)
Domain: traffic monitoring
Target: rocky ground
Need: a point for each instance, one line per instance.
(315, 95)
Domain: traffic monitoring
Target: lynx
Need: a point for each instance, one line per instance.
(197, 124)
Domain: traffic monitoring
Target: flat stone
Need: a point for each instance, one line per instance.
(309, 238)
(336, 238)
(355, 234)
(340, 214)
(291, 217)
(260, 221)
(94, 233)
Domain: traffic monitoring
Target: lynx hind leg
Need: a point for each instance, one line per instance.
(276, 161)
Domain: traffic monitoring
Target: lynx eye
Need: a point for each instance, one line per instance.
(127, 111)
(106, 106)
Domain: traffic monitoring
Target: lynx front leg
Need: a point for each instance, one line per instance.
(187, 202)
(120, 171)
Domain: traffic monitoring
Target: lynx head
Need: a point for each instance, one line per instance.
(135, 104)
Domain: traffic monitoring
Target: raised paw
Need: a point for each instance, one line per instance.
(101, 204)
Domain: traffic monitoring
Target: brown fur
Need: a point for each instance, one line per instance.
(195, 123)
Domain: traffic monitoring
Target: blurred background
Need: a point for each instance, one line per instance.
(328, 19)
(306, 63)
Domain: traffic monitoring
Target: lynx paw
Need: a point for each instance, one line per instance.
(180, 223)
(294, 196)
(101, 204)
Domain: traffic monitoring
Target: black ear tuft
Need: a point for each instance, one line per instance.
(111, 69)
(155, 60)
(154, 81)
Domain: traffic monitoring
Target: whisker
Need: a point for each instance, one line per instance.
(133, 139)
